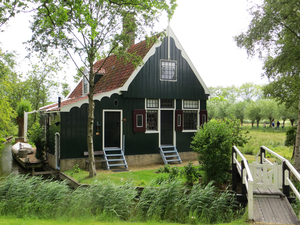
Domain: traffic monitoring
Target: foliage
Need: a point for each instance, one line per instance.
(7, 65)
(213, 144)
(190, 174)
(22, 106)
(291, 136)
(273, 35)
(238, 110)
(84, 28)
(254, 112)
(270, 109)
(9, 9)
(36, 135)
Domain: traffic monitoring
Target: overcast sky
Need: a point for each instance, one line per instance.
(205, 29)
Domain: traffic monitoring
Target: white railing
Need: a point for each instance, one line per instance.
(247, 179)
(287, 168)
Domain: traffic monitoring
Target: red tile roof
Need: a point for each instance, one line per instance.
(115, 74)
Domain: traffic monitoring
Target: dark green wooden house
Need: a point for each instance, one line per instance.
(148, 114)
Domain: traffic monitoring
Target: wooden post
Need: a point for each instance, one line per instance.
(262, 154)
(285, 173)
(234, 170)
(244, 190)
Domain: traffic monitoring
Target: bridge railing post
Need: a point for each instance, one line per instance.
(234, 170)
(285, 173)
(244, 189)
(262, 154)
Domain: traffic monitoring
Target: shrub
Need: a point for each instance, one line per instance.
(190, 174)
(36, 136)
(213, 144)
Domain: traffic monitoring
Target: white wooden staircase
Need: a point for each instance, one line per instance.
(114, 157)
(169, 153)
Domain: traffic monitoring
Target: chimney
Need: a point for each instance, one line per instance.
(129, 26)
(59, 101)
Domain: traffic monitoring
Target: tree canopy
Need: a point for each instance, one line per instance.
(273, 35)
(85, 28)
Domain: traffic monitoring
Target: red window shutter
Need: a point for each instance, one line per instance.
(178, 120)
(203, 117)
(139, 120)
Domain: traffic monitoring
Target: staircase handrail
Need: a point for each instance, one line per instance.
(290, 167)
(247, 178)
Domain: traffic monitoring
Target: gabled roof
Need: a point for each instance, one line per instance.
(117, 75)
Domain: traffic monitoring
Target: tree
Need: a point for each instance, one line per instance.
(24, 105)
(250, 91)
(213, 106)
(238, 111)
(273, 35)
(270, 110)
(254, 112)
(7, 65)
(86, 27)
(213, 144)
(9, 9)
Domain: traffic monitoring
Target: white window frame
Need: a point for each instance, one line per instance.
(190, 109)
(160, 70)
(85, 80)
(158, 109)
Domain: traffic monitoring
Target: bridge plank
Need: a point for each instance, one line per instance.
(276, 210)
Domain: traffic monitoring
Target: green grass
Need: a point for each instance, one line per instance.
(33, 221)
(139, 178)
(269, 137)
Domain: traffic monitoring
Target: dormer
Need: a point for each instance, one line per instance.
(85, 82)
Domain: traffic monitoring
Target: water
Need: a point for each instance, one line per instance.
(7, 163)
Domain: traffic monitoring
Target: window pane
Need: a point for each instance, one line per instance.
(190, 120)
(152, 103)
(152, 120)
(139, 120)
(203, 119)
(85, 86)
(178, 120)
(190, 104)
(167, 103)
(168, 70)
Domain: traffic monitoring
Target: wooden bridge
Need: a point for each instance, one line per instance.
(266, 187)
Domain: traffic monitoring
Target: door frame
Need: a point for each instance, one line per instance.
(121, 126)
(57, 150)
(173, 125)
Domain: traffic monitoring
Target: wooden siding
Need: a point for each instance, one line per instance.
(51, 131)
(147, 83)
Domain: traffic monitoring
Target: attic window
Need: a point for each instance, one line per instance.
(168, 70)
(85, 86)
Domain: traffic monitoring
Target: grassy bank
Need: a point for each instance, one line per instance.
(34, 221)
(172, 201)
(269, 137)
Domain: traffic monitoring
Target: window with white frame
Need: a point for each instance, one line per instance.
(151, 120)
(152, 106)
(168, 70)
(190, 112)
(85, 86)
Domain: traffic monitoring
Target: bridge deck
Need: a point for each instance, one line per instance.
(274, 209)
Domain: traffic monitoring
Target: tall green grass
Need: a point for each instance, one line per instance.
(174, 202)
(269, 137)
(22, 196)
